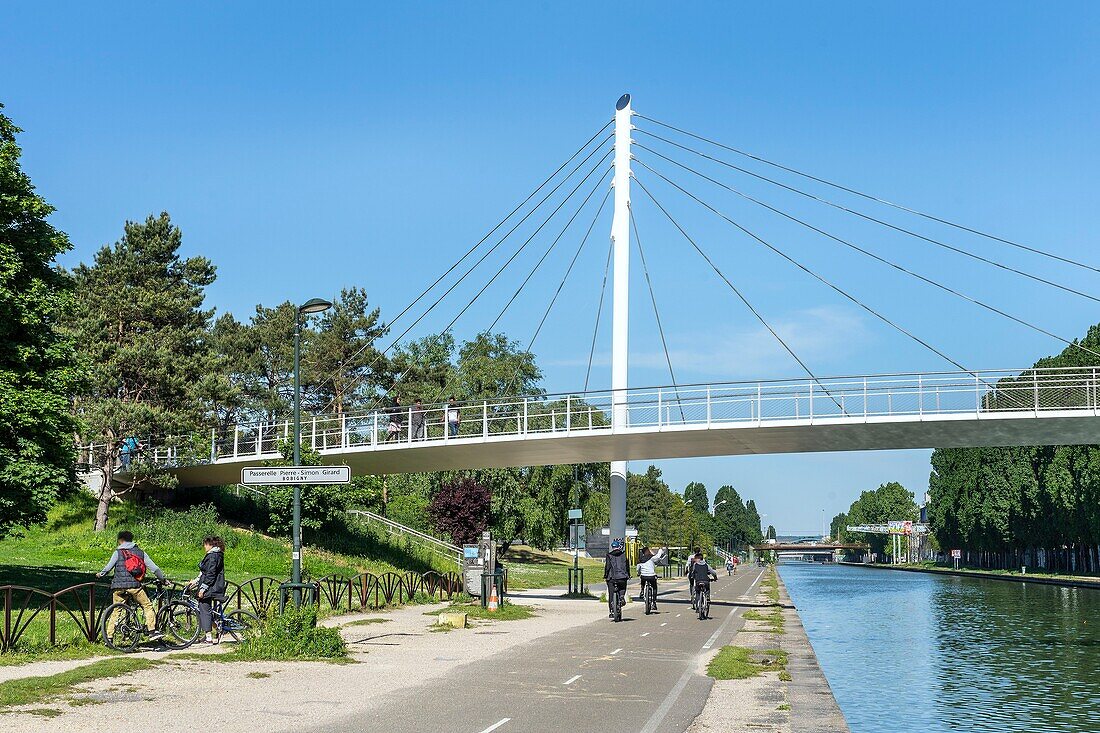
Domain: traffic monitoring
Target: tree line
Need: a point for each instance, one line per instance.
(1037, 506)
(125, 347)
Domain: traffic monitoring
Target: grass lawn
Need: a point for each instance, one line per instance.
(38, 690)
(738, 663)
(531, 568)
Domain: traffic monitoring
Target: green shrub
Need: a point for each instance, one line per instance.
(294, 634)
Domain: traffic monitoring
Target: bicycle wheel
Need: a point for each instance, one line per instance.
(239, 625)
(179, 621)
(700, 601)
(125, 627)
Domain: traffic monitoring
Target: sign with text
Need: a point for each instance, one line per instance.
(956, 554)
(283, 475)
(574, 513)
(904, 528)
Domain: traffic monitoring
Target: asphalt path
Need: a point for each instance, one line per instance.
(643, 674)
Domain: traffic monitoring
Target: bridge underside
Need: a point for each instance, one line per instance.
(1071, 427)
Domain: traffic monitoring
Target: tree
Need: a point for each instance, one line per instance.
(346, 370)
(889, 502)
(751, 524)
(423, 368)
(838, 527)
(492, 366)
(696, 493)
(460, 510)
(139, 324)
(729, 517)
(38, 371)
(770, 534)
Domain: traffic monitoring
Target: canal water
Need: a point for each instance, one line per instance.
(920, 652)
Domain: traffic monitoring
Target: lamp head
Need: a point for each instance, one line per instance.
(314, 305)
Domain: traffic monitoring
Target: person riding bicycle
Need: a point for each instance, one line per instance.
(210, 583)
(700, 574)
(691, 564)
(616, 571)
(131, 564)
(647, 571)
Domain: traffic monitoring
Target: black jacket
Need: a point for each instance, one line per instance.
(212, 574)
(700, 572)
(616, 566)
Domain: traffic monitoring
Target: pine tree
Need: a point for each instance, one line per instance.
(139, 322)
(38, 373)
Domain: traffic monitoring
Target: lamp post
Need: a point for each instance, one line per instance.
(314, 305)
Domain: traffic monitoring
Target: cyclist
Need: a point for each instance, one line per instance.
(130, 565)
(210, 583)
(700, 572)
(647, 571)
(616, 571)
(691, 563)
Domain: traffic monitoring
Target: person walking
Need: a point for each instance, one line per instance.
(130, 565)
(396, 418)
(418, 421)
(729, 566)
(210, 584)
(131, 446)
(454, 417)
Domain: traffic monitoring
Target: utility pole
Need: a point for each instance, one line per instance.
(620, 237)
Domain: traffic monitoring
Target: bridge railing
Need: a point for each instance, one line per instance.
(666, 407)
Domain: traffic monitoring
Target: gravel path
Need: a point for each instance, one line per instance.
(398, 653)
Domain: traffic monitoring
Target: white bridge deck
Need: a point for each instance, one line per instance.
(938, 410)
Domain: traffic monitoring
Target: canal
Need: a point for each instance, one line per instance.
(920, 652)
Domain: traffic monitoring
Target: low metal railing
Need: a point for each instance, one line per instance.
(861, 398)
(75, 613)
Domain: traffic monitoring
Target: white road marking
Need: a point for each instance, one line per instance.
(646, 634)
(666, 705)
(571, 680)
(714, 636)
(677, 615)
(617, 651)
(495, 725)
(665, 623)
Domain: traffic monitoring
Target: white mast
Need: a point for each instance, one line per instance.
(620, 236)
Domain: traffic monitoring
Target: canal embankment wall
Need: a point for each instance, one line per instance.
(1011, 577)
(797, 699)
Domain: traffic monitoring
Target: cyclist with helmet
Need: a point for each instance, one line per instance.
(616, 571)
(700, 574)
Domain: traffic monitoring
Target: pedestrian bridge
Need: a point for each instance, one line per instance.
(881, 412)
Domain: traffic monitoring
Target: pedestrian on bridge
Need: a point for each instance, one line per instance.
(454, 417)
(393, 430)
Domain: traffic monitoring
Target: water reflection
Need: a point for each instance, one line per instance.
(912, 651)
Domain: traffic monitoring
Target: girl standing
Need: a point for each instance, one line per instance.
(210, 583)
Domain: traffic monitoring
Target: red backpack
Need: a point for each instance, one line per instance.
(134, 562)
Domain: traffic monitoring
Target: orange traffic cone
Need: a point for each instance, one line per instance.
(493, 600)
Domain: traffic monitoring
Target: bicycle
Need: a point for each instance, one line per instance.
(616, 599)
(702, 600)
(649, 595)
(237, 625)
(123, 627)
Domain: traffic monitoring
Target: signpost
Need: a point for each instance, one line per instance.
(289, 475)
(576, 544)
(956, 555)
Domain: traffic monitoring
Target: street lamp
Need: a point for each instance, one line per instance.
(714, 508)
(311, 306)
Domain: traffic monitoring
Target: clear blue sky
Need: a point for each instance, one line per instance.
(305, 149)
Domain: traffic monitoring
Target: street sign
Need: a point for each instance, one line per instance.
(956, 554)
(285, 475)
(577, 536)
(902, 528)
(574, 513)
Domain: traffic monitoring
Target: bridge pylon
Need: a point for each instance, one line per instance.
(620, 238)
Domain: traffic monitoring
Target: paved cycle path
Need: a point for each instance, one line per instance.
(643, 674)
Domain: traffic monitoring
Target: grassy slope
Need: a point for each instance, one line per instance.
(65, 550)
(531, 568)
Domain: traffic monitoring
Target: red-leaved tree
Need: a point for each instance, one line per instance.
(460, 510)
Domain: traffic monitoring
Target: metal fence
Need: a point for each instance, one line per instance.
(862, 398)
(76, 612)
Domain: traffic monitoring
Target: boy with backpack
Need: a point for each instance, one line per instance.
(130, 565)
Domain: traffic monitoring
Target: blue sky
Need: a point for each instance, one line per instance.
(306, 149)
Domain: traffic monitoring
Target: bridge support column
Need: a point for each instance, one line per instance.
(620, 237)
